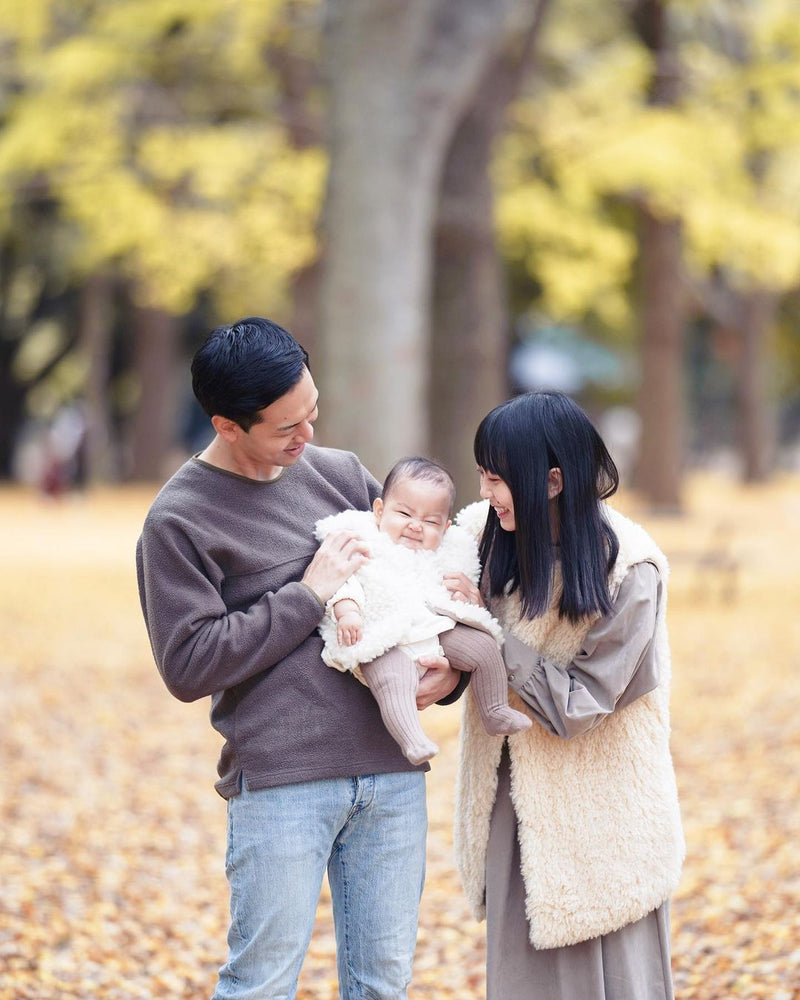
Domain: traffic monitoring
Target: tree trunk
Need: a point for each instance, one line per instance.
(294, 62)
(304, 321)
(468, 314)
(659, 468)
(156, 361)
(758, 425)
(401, 74)
(469, 338)
(12, 394)
(96, 325)
(660, 462)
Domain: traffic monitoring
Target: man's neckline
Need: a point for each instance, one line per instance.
(238, 475)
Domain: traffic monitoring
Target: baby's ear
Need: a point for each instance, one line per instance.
(377, 509)
(447, 526)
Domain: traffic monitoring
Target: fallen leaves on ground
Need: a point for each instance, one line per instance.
(113, 838)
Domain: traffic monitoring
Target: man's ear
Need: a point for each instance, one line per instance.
(226, 428)
(555, 483)
(377, 509)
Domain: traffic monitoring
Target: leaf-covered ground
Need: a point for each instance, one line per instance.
(113, 839)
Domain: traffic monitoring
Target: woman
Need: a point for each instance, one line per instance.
(568, 835)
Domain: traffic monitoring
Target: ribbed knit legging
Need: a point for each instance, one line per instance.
(393, 679)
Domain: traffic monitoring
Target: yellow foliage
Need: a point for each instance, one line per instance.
(762, 246)
(58, 136)
(25, 21)
(120, 119)
(581, 260)
(83, 65)
(725, 159)
(43, 343)
(64, 383)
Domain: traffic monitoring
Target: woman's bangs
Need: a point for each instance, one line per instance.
(490, 453)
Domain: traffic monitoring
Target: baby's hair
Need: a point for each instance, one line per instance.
(421, 469)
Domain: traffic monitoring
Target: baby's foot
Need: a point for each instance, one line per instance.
(505, 721)
(419, 752)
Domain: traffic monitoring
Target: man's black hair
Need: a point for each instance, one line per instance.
(243, 368)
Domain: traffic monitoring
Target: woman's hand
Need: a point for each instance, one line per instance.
(463, 589)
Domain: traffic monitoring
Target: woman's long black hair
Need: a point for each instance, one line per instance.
(520, 441)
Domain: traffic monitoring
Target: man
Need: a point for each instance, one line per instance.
(233, 588)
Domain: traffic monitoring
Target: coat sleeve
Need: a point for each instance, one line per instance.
(615, 666)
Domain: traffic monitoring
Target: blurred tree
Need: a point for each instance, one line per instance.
(400, 77)
(662, 306)
(295, 58)
(590, 151)
(755, 248)
(96, 325)
(153, 128)
(469, 312)
(165, 158)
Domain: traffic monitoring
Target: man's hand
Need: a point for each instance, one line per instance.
(337, 558)
(438, 681)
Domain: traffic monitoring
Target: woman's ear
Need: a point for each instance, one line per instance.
(555, 483)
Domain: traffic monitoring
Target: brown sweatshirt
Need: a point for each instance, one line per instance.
(219, 563)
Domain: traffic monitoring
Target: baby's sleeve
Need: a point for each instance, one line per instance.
(351, 590)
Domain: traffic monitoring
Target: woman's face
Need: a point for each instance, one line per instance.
(495, 490)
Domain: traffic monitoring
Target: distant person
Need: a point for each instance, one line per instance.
(397, 599)
(233, 587)
(568, 835)
(64, 452)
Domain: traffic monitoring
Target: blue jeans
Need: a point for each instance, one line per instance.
(369, 832)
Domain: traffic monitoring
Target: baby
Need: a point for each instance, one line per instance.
(397, 601)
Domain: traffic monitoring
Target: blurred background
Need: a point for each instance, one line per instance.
(445, 201)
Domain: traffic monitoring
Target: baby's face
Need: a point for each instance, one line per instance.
(414, 513)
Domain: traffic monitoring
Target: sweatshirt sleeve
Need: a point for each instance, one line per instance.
(615, 666)
(199, 646)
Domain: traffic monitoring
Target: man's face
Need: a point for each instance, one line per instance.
(286, 427)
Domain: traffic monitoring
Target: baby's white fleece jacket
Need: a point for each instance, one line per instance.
(399, 585)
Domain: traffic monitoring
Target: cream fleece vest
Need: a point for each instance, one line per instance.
(599, 825)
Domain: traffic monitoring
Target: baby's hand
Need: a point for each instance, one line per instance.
(349, 628)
